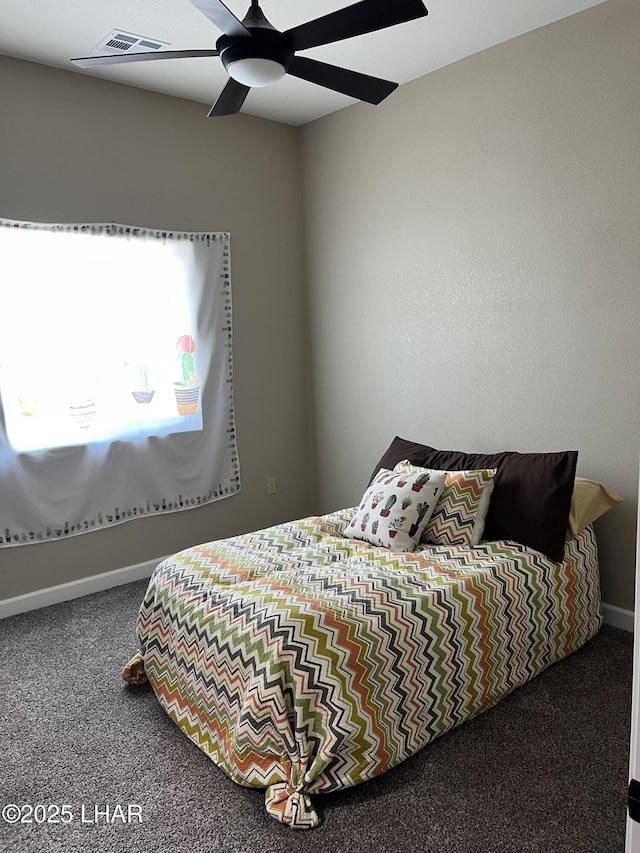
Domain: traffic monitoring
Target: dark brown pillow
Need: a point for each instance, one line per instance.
(531, 498)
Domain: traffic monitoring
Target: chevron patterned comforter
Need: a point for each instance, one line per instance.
(303, 662)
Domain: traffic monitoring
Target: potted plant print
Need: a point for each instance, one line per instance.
(395, 525)
(365, 521)
(82, 403)
(28, 406)
(376, 499)
(144, 393)
(387, 507)
(421, 482)
(422, 509)
(82, 411)
(187, 391)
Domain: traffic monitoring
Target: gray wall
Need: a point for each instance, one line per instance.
(473, 251)
(78, 149)
(473, 269)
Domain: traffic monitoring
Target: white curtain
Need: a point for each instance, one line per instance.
(116, 396)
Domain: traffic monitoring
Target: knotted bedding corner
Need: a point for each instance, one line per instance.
(291, 807)
(288, 804)
(133, 671)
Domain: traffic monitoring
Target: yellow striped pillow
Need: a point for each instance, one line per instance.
(459, 515)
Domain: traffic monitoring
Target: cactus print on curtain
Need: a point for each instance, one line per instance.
(116, 396)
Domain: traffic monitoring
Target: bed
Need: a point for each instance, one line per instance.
(306, 658)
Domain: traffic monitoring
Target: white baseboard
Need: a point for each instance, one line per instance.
(618, 617)
(76, 589)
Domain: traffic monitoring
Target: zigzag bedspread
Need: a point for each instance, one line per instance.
(303, 662)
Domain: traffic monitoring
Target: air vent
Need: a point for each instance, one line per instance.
(120, 41)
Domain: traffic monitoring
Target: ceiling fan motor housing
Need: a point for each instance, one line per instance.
(264, 44)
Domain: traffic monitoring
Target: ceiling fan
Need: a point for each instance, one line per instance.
(255, 54)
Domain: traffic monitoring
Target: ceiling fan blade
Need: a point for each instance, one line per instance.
(231, 99)
(121, 58)
(363, 17)
(223, 18)
(352, 83)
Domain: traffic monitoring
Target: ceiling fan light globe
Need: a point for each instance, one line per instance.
(256, 72)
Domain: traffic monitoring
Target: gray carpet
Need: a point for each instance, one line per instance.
(544, 771)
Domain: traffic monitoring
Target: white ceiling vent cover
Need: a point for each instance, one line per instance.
(120, 41)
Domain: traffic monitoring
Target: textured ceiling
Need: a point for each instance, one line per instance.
(53, 32)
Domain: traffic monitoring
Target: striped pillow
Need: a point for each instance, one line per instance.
(459, 515)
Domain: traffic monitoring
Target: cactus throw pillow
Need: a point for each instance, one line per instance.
(396, 508)
(458, 518)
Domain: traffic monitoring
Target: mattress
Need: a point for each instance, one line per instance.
(303, 662)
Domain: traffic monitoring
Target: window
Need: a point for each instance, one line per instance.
(113, 336)
(102, 341)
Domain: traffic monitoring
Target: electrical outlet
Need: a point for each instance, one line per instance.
(271, 486)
